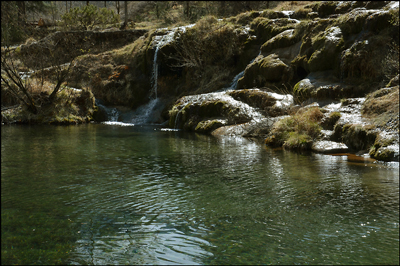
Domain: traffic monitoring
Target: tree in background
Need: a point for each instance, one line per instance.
(88, 16)
(14, 82)
(14, 19)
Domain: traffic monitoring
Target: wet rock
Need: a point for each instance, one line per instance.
(325, 146)
(320, 85)
(268, 103)
(358, 137)
(240, 112)
(386, 146)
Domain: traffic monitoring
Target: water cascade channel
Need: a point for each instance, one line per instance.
(159, 41)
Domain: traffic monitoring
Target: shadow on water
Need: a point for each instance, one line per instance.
(108, 194)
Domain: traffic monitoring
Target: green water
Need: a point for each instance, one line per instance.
(106, 194)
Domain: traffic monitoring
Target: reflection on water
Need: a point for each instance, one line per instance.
(106, 194)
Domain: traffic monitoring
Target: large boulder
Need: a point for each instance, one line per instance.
(206, 112)
(264, 71)
(327, 47)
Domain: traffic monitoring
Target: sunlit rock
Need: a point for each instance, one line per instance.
(325, 146)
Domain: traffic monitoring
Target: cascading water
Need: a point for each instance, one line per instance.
(235, 80)
(155, 73)
(143, 114)
(112, 113)
(159, 41)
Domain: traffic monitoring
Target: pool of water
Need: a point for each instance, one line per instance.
(111, 194)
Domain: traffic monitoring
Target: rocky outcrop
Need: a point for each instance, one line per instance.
(61, 47)
(334, 58)
(239, 112)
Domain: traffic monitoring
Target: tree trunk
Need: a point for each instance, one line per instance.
(187, 9)
(21, 13)
(126, 12)
(157, 13)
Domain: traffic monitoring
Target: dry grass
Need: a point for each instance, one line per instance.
(291, 5)
(297, 131)
(382, 106)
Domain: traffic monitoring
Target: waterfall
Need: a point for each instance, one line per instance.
(112, 113)
(159, 41)
(155, 73)
(144, 113)
(235, 80)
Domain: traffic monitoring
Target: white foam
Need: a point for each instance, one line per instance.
(114, 123)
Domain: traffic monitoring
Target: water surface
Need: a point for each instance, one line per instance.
(111, 194)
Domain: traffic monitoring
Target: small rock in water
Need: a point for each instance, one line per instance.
(326, 146)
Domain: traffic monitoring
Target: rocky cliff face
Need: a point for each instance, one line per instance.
(339, 57)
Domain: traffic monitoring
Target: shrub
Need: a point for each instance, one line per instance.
(88, 16)
(297, 131)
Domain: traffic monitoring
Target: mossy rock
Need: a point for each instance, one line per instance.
(207, 126)
(394, 81)
(265, 70)
(385, 148)
(296, 132)
(301, 13)
(254, 98)
(365, 58)
(282, 40)
(265, 28)
(357, 137)
(298, 142)
(188, 116)
(329, 121)
(383, 154)
(212, 108)
(245, 18)
(379, 21)
(353, 21)
(327, 46)
(302, 90)
(344, 7)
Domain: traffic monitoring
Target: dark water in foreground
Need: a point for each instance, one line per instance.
(106, 194)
